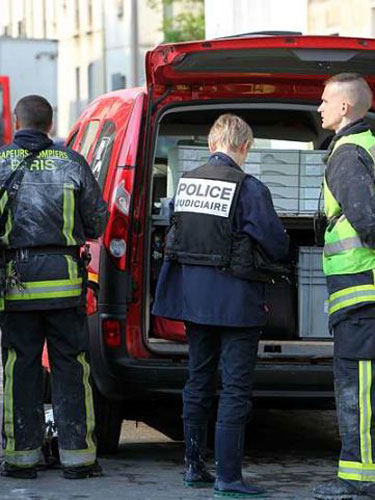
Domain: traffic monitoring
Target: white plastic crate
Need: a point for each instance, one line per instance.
(312, 294)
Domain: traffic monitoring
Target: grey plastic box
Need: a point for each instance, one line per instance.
(312, 295)
(293, 177)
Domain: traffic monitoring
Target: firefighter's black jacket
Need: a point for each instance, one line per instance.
(58, 205)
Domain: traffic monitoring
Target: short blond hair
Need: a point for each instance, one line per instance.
(230, 131)
(356, 89)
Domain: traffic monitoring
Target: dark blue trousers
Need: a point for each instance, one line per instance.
(235, 351)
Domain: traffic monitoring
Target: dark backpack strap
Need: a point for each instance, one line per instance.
(11, 187)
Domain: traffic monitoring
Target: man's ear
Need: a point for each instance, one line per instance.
(345, 108)
(50, 128)
(16, 123)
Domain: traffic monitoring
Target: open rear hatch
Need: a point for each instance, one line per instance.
(260, 77)
(238, 60)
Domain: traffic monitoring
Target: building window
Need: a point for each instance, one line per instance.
(76, 15)
(89, 13)
(78, 91)
(120, 8)
(21, 28)
(118, 81)
(90, 81)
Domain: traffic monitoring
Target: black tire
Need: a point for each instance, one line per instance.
(108, 416)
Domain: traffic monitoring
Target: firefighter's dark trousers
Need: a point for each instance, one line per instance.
(235, 350)
(355, 397)
(23, 337)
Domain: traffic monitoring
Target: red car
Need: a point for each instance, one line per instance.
(139, 141)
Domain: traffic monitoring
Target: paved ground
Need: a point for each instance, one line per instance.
(290, 452)
(287, 453)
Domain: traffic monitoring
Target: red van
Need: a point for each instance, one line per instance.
(139, 141)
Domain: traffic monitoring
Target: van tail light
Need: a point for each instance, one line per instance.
(111, 329)
(115, 238)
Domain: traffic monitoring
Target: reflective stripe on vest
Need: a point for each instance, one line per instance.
(4, 238)
(53, 289)
(350, 296)
(68, 214)
(345, 244)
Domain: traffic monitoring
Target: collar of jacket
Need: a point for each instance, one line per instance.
(353, 128)
(32, 140)
(221, 158)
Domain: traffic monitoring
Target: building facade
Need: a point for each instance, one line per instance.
(241, 16)
(101, 44)
(341, 17)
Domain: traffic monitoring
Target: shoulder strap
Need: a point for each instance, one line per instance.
(11, 186)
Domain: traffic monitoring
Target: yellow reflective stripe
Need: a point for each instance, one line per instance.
(356, 471)
(350, 302)
(46, 290)
(360, 476)
(68, 214)
(8, 400)
(365, 411)
(8, 225)
(70, 458)
(346, 464)
(51, 283)
(89, 402)
(72, 267)
(26, 458)
(45, 295)
(352, 289)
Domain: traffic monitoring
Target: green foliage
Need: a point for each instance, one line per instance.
(187, 25)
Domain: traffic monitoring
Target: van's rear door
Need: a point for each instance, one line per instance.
(239, 60)
(108, 137)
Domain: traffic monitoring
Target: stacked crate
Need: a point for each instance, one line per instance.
(312, 294)
(293, 177)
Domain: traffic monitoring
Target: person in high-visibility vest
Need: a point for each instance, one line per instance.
(349, 264)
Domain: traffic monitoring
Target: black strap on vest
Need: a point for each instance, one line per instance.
(20, 254)
(11, 187)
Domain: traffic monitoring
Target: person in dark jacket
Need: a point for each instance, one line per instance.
(208, 281)
(349, 264)
(56, 207)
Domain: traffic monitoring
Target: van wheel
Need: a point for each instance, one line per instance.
(108, 417)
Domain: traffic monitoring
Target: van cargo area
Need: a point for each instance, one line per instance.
(287, 156)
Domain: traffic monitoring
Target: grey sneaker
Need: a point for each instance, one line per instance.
(339, 489)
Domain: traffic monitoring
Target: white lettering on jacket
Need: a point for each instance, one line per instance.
(204, 196)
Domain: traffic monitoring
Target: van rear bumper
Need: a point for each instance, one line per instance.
(272, 380)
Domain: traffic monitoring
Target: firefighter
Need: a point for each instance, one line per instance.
(57, 206)
(208, 281)
(349, 264)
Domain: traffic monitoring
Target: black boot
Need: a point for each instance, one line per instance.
(196, 474)
(341, 489)
(229, 444)
(9, 470)
(83, 471)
